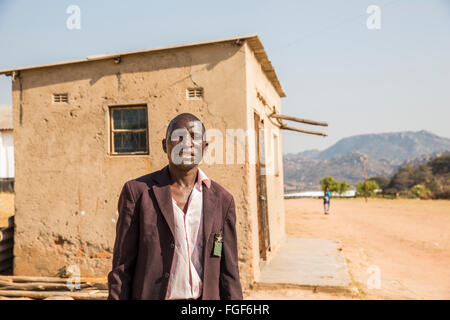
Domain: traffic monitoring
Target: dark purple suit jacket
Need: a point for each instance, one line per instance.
(144, 245)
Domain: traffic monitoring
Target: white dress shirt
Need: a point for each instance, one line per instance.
(186, 276)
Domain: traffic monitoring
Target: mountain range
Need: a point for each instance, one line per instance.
(385, 153)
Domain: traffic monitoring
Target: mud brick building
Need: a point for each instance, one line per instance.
(82, 128)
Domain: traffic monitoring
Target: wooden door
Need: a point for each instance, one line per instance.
(261, 189)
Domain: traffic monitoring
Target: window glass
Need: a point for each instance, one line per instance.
(129, 130)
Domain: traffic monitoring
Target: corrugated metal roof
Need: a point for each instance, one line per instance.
(253, 41)
(6, 118)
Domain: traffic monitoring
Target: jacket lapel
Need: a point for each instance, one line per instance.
(164, 197)
(210, 205)
(164, 200)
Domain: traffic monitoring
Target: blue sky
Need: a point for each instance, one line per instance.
(332, 67)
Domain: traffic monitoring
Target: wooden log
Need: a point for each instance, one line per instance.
(50, 279)
(5, 265)
(5, 234)
(40, 286)
(303, 131)
(98, 285)
(49, 285)
(15, 298)
(312, 122)
(6, 255)
(92, 295)
(6, 245)
(59, 298)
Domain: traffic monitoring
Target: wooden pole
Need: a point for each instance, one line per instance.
(50, 279)
(311, 122)
(93, 295)
(45, 286)
(283, 126)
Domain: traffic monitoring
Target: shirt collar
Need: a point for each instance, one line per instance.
(202, 177)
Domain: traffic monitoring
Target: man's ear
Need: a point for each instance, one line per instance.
(164, 145)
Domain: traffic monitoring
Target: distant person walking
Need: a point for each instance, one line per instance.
(326, 200)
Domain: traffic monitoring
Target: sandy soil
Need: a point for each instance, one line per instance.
(408, 241)
(6, 208)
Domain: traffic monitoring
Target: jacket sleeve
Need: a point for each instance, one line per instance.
(230, 284)
(120, 278)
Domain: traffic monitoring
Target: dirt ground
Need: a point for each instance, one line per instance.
(406, 242)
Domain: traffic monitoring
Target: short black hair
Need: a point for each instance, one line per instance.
(185, 115)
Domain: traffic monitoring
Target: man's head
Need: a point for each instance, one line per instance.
(185, 141)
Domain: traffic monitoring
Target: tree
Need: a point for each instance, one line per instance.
(329, 182)
(440, 165)
(371, 186)
(421, 191)
(334, 185)
(342, 187)
(382, 182)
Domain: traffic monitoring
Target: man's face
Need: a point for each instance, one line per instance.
(185, 143)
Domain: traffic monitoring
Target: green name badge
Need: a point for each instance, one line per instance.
(218, 240)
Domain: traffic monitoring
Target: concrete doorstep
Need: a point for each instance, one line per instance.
(317, 264)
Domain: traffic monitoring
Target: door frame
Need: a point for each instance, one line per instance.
(261, 188)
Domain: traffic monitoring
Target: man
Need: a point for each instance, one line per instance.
(176, 235)
(326, 200)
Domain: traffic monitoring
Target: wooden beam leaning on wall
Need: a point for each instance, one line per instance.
(279, 117)
(283, 126)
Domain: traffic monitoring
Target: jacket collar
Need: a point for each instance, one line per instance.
(164, 199)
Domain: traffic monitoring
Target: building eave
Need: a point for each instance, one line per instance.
(253, 41)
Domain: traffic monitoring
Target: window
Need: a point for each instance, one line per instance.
(60, 98)
(194, 93)
(129, 134)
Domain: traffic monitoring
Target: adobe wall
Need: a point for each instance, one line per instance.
(257, 82)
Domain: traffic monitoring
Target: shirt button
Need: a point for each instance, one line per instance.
(166, 275)
(172, 245)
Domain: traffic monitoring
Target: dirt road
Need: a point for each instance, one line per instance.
(406, 242)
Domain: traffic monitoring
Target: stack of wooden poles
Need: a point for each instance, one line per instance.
(6, 246)
(48, 288)
(52, 288)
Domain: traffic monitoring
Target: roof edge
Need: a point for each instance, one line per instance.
(252, 39)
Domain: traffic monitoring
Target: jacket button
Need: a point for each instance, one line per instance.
(166, 275)
(172, 245)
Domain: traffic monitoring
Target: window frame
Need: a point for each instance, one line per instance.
(112, 130)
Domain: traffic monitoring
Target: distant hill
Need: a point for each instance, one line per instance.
(386, 152)
(430, 178)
